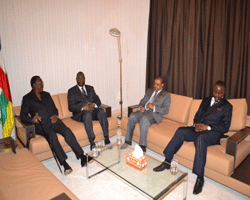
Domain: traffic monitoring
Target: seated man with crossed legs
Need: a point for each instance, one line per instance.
(211, 121)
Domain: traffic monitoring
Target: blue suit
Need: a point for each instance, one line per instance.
(218, 117)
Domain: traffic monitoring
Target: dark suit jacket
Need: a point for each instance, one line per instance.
(217, 117)
(76, 100)
(32, 105)
(161, 102)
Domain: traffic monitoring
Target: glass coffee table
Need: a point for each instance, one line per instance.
(154, 185)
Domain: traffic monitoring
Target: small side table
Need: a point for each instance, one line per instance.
(7, 143)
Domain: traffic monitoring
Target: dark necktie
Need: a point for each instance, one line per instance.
(83, 92)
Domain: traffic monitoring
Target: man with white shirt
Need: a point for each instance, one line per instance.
(211, 121)
(153, 106)
(84, 103)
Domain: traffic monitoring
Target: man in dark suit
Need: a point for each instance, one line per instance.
(39, 108)
(211, 121)
(84, 103)
(153, 106)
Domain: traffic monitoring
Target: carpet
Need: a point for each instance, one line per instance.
(106, 186)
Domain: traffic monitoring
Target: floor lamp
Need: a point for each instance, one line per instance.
(115, 32)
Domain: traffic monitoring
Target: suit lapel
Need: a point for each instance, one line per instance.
(88, 90)
(159, 95)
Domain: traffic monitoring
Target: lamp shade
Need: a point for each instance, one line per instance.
(115, 32)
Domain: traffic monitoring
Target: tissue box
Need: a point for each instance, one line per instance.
(140, 163)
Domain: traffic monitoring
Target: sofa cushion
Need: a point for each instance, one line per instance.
(161, 134)
(24, 177)
(217, 160)
(239, 114)
(63, 98)
(57, 104)
(39, 145)
(179, 108)
(193, 109)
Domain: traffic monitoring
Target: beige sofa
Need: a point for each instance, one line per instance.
(39, 146)
(221, 159)
(24, 177)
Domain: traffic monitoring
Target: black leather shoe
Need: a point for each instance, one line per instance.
(162, 167)
(67, 168)
(92, 146)
(107, 142)
(84, 160)
(198, 186)
(126, 144)
(144, 149)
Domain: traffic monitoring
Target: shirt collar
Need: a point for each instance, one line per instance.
(82, 87)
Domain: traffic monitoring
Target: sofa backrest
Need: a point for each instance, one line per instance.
(61, 102)
(193, 109)
(57, 104)
(64, 105)
(239, 114)
(179, 108)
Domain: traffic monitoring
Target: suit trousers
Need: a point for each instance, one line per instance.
(48, 130)
(145, 120)
(201, 141)
(97, 114)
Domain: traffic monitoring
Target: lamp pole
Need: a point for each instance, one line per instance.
(115, 32)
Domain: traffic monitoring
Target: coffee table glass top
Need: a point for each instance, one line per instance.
(153, 184)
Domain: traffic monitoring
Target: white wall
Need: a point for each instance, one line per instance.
(56, 39)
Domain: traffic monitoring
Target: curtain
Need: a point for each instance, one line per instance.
(194, 43)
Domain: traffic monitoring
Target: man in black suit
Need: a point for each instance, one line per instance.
(84, 103)
(211, 121)
(39, 108)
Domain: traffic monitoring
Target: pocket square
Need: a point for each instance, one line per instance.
(219, 109)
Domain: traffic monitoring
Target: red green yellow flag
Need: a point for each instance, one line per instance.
(5, 102)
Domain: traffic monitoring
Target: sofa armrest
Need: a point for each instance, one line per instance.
(24, 132)
(107, 109)
(234, 140)
(132, 109)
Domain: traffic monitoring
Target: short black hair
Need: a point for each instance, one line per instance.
(160, 78)
(79, 73)
(33, 80)
(221, 83)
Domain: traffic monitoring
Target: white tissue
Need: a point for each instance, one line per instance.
(137, 153)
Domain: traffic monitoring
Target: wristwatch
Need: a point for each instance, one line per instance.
(208, 128)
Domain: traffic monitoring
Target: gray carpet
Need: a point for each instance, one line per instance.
(106, 186)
